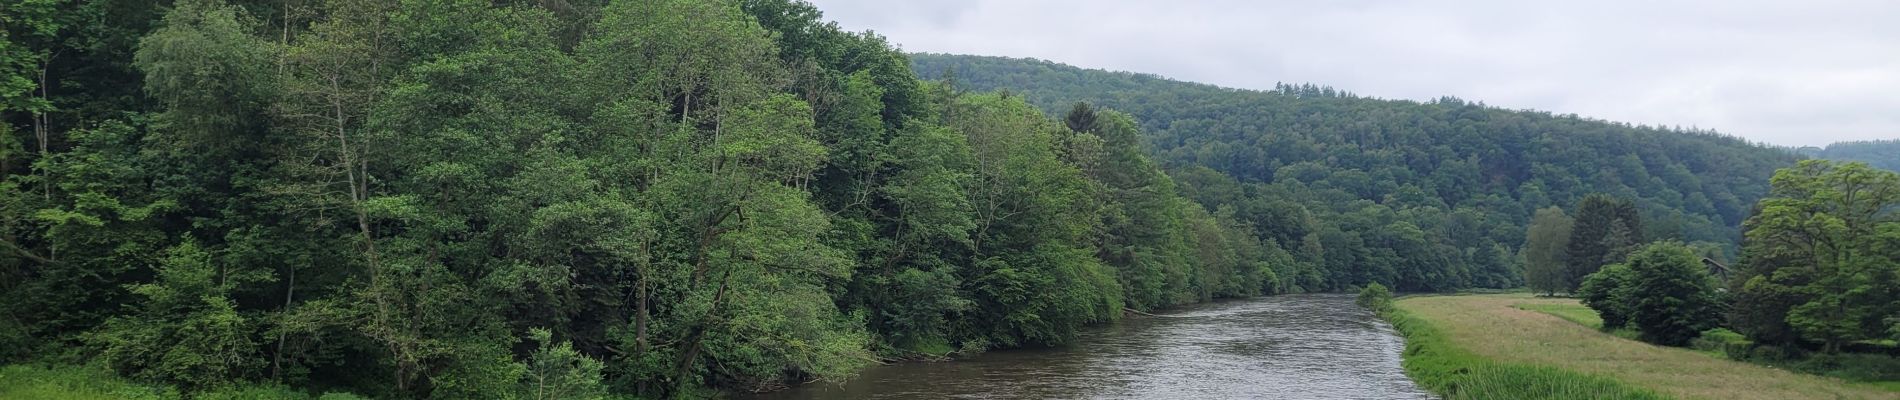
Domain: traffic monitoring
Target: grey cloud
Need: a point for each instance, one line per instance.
(1791, 73)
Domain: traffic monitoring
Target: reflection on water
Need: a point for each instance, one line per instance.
(1280, 347)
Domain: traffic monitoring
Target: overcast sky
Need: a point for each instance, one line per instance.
(1784, 72)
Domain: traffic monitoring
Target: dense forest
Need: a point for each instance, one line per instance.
(677, 198)
(1423, 196)
(553, 199)
(1883, 154)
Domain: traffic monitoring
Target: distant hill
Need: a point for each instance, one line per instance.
(1884, 154)
(1356, 166)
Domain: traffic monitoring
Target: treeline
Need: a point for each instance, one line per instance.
(1883, 154)
(1820, 273)
(1419, 196)
(562, 199)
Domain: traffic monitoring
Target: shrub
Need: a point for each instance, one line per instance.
(1375, 297)
(1672, 301)
(1722, 340)
(1608, 292)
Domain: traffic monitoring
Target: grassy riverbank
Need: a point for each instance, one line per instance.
(1439, 364)
(73, 382)
(1493, 340)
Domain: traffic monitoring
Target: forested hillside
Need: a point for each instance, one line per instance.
(1883, 154)
(1430, 196)
(553, 199)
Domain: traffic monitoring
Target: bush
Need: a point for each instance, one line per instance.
(1375, 297)
(1663, 291)
(1722, 340)
(1608, 292)
(1672, 301)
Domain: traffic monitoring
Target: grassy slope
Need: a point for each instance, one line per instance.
(1490, 327)
(1578, 313)
(1457, 374)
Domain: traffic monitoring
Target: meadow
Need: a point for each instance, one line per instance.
(1497, 338)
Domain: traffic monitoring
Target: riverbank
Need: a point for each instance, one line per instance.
(1493, 340)
(77, 382)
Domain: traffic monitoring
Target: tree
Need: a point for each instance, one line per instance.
(1671, 298)
(665, 198)
(188, 329)
(1461, 170)
(1605, 227)
(212, 75)
(1544, 249)
(556, 371)
(1820, 263)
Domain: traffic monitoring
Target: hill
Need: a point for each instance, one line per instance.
(1883, 154)
(1366, 188)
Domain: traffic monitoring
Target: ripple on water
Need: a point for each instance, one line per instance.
(1292, 347)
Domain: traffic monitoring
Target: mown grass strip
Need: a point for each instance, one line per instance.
(1437, 365)
(1579, 314)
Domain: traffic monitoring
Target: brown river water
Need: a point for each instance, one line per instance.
(1314, 346)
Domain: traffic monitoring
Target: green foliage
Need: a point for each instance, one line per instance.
(1610, 291)
(1820, 265)
(1375, 297)
(1304, 160)
(73, 383)
(1437, 365)
(1606, 230)
(557, 371)
(212, 75)
(188, 331)
(1876, 153)
(1544, 251)
(1722, 341)
(672, 198)
(1671, 298)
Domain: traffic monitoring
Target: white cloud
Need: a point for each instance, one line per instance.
(1791, 73)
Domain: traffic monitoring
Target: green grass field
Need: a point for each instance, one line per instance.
(1477, 333)
(1444, 368)
(1874, 369)
(1576, 312)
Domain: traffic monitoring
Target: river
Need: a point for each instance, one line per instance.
(1315, 346)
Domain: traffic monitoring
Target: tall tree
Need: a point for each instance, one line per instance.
(1605, 229)
(1822, 266)
(1545, 266)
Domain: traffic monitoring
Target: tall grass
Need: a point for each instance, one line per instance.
(73, 382)
(1439, 366)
